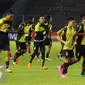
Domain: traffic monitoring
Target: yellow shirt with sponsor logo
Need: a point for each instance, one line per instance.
(69, 37)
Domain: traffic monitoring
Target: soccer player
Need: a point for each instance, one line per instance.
(5, 25)
(60, 54)
(80, 46)
(48, 41)
(28, 33)
(68, 33)
(39, 42)
(20, 43)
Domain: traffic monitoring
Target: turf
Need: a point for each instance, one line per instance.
(22, 75)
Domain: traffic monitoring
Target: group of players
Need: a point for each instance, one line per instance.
(72, 37)
(42, 38)
(69, 35)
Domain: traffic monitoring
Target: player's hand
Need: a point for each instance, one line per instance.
(6, 30)
(66, 43)
(83, 33)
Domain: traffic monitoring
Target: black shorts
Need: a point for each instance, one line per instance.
(48, 41)
(80, 49)
(4, 42)
(28, 40)
(39, 47)
(20, 46)
(68, 53)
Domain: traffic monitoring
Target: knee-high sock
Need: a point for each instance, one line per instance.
(7, 64)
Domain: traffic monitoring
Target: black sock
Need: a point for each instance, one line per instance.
(38, 54)
(31, 58)
(7, 64)
(43, 62)
(83, 67)
(47, 55)
(17, 55)
(65, 68)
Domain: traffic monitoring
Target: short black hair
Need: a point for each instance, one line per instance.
(82, 15)
(30, 18)
(47, 17)
(9, 12)
(71, 18)
(42, 15)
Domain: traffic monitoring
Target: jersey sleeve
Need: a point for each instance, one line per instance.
(60, 32)
(78, 28)
(36, 28)
(2, 20)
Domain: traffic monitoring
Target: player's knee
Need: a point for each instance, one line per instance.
(8, 53)
(77, 59)
(24, 51)
(66, 60)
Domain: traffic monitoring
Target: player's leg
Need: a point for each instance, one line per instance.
(60, 53)
(36, 47)
(83, 63)
(6, 48)
(48, 52)
(20, 51)
(83, 67)
(69, 60)
(42, 49)
(7, 61)
(29, 49)
(48, 43)
(78, 50)
(37, 55)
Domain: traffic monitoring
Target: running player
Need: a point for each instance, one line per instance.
(5, 25)
(28, 33)
(80, 46)
(20, 43)
(39, 42)
(48, 41)
(68, 41)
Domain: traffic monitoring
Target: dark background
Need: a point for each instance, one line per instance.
(60, 10)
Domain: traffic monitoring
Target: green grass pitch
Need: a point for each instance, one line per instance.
(22, 75)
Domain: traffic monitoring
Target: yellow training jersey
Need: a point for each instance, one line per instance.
(83, 37)
(48, 30)
(69, 37)
(27, 29)
(3, 25)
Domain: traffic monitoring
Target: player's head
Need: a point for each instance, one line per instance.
(82, 17)
(30, 20)
(42, 19)
(71, 21)
(9, 15)
(48, 19)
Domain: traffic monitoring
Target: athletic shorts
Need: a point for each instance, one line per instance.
(68, 53)
(48, 42)
(4, 41)
(28, 40)
(80, 49)
(21, 46)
